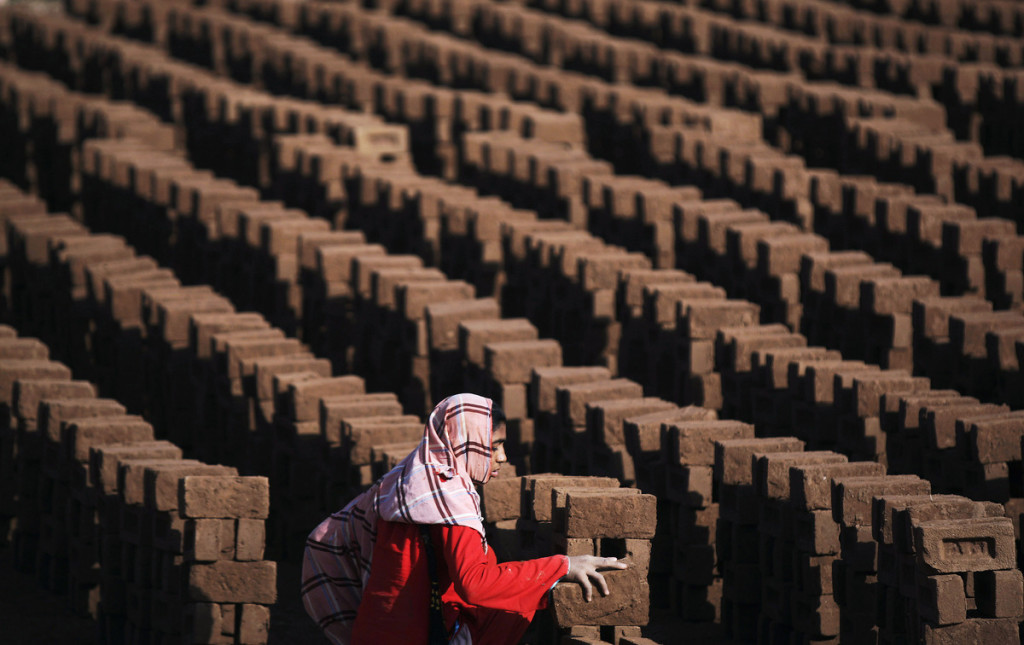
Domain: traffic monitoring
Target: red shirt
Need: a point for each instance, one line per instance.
(395, 601)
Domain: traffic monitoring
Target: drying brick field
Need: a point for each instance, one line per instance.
(747, 277)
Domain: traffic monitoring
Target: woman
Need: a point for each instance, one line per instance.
(368, 573)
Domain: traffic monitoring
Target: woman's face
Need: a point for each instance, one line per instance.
(497, 449)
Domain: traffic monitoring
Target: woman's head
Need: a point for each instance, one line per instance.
(471, 433)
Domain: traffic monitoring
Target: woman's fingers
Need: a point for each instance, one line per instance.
(602, 584)
(588, 589)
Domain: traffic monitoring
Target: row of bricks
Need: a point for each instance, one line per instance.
(814, 523)
(849, 25)
(575, 531)
(996, 16)
(962, 88)
(82, 452)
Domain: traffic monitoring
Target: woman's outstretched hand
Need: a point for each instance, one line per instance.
(583, 568)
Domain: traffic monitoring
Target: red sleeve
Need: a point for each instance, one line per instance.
(510, 586)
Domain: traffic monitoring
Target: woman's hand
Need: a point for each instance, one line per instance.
(583, 568)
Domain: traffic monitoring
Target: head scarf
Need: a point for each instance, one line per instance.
(433, 485)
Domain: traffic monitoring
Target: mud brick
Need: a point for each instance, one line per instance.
(819, 382)
(1001, 346)
(204, 326)
(628, 601)
(475, 334)
(54, 412)
(937, 507)
(931, 315)
(161, 482)
(909, 406)
(601, 270)
(224, 496)
(105, 460)
(975, 630)
(712, 226)
(995, 439)
(310, 242)
(882, 295)
(124, 293)
(250, 539)
(173, 316)
(253, 624)
(782, 254)
(337, 264)
(304, 397)
(813, 267)
(605, 418)
(81, 435)
(209, 540)
(538, 498)
(502, 498)
(15, 370)
(842, 283)
(242, 354)
(1000, 594)
(233, 582)
(772, 470)
(736, 345)
(661, 301)
(967, 330)
(643, 432)
(96, 274)
(939, 423)
(696, 525)
(867, 389)
(733, 457)
(384, 282)
(957, 546)
(693, 442)
(514, 361)
(445, 320)
(23, 349)
(773, 363)
(884, 512)
(268, 368)
(703, 318)
(28, 393)
(810, 485)
(813, 574)
(361, 434)
(941, 599)
(817, 615)
(573, 398)
(131, 476)
(545, 382)
(412, 299)
(689, 485)
(852, 496)
(633, 283)
(604, 515)
(282, 236)
(335, 409)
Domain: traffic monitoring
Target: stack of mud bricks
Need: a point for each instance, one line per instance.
(947, 571)
(984, 353)
(571, 442)
(691, 508)
(736, 351)
(549, 453)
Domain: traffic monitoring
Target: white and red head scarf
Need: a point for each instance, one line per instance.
(433, 485)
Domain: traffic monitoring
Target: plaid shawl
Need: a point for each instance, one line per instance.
(433, 485)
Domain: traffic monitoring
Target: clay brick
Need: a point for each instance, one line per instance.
(995, 439)
(1000, 594)
(931, 315)
(605, 418)
(774, 363)
(161, 481)
(810, 485)
(939, 423)
(771, 470)
(241, 354)
(539, 490)
(601, 270)
(204, 326)
(977, 630)
(628, 601)
(643, 433)
(693, 442)
(254, 624)
(573, 398)
(412, 299)
(224, 496)
(15, 370)
(268, 368)
(475, 334)
(361, 434)
(703, 318)
(546, 381)
(335, 409)
(305, 397)
(81, 435)
(957, 546)
(606, 515)
(502, 498)
(941, 599)
(444, 319)
(819, 382)
(514, 361)
(885, 295)
(54, 412)
(250, 539)
(23, 349)
(816, 532)
(173, 316)
(28, 392)
(209, 540)
(852, 496)
(967, 330)
(733, 457)
(937, 507)
(233, 582)
(105, 460)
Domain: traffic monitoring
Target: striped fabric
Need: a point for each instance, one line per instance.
(435, 484)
